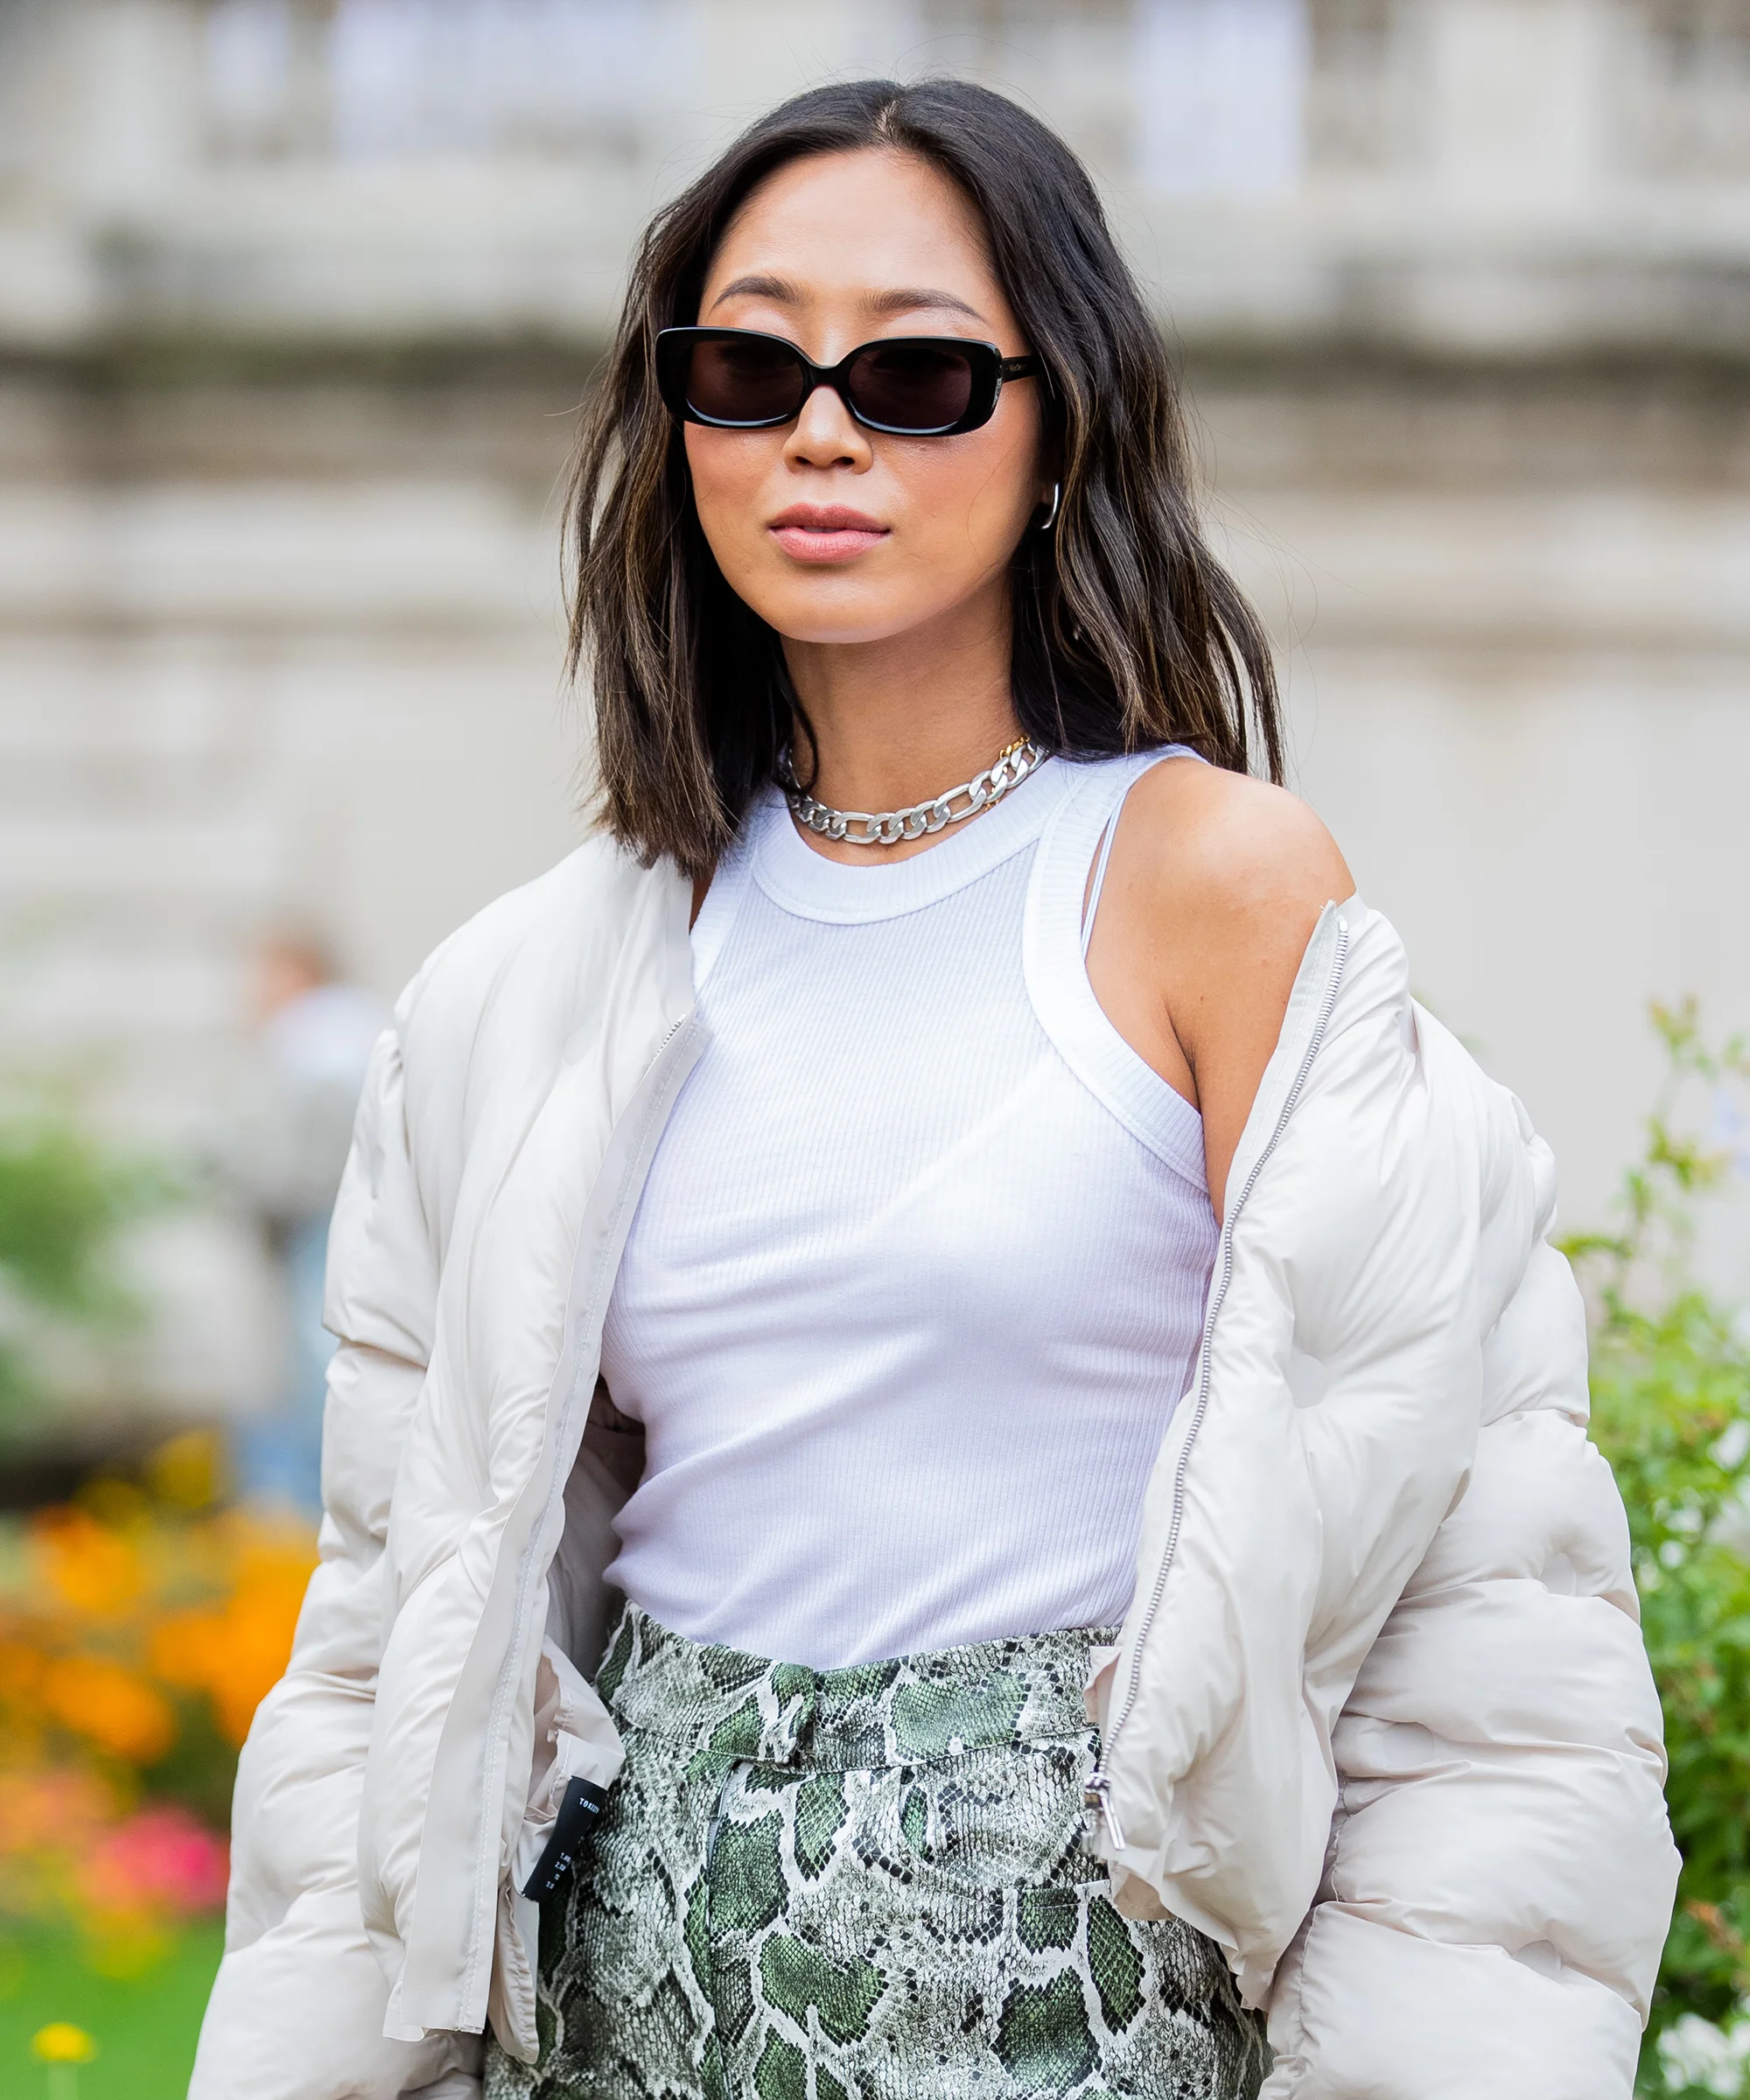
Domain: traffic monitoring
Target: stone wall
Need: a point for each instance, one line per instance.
(288, 363)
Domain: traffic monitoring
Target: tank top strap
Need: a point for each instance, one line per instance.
(1061, 904)
(1096, 883)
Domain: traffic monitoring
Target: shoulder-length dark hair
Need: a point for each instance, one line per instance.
(1127, 632)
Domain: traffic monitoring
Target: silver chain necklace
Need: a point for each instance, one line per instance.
(889, 826)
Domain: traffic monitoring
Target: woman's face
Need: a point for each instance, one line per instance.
(830, 532)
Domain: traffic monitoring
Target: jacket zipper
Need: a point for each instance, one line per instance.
(1097, 1795)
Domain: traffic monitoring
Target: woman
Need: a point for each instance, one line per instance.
(973, 1164)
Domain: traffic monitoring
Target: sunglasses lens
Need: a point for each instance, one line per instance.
(912, 386)
(743, 378)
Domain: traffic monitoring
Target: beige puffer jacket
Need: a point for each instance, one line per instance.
(1379, 1721)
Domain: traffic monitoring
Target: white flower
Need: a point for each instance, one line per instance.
(1697, 2054)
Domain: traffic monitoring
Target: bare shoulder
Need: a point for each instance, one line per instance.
(1215, 886)
(1220, 846)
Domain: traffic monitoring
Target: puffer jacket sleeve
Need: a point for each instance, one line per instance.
(297, 2012)
(1501, 1870)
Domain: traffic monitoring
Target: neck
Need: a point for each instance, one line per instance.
(898, 720)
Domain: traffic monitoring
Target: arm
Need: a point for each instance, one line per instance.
(297, 2012)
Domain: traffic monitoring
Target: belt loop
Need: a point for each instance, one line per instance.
(791, 1735)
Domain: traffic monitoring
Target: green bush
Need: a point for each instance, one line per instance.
(64, 1196)
(1670, 1386)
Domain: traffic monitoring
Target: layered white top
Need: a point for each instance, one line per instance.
(920, 1269)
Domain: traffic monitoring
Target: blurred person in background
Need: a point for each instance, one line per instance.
(280, 1155)
(958, 1459)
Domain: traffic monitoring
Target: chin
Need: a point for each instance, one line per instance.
(825, 616)
(840, 633)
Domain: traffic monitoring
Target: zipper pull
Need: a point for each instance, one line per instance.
(1096, 1797)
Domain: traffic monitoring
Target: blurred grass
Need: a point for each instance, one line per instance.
(144, 2026)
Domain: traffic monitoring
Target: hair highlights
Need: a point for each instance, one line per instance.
(1127, 632)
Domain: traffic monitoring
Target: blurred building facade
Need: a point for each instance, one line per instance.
(296, 298)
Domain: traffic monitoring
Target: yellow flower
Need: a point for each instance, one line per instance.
(62, 2042)
(186, 1472)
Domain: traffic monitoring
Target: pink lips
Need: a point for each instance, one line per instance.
(825, 532)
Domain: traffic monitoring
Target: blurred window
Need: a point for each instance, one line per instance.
(22, 26)
(1357, 90)
(1074, 60)
(266, 77)
(248, 65)
(1221, 95)
(409, 79)
(1685, 79)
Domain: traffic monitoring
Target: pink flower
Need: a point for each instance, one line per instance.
(159, 1860)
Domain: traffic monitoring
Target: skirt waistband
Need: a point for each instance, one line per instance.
(722, 1703)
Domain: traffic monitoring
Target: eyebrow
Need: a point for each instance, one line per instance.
(903, 299)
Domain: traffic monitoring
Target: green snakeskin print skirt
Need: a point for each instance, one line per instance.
(862, 1884)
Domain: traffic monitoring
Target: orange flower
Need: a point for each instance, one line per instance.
(117, 1607)
(188, 1650)
(110, 1705)
(237, 1652)
(87, 1565)
(43, 1810)
(21, 1672)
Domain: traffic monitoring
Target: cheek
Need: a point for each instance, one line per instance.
(971, 497)
(728, 469)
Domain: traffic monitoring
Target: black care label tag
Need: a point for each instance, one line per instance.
(583, 1801)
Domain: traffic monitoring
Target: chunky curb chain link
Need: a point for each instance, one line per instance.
(889, 826)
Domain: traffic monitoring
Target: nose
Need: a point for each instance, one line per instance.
(825, 433)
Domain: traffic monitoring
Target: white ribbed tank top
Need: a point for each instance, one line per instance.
(919, 1272)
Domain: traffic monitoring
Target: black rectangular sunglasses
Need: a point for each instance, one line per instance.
(909, 386)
